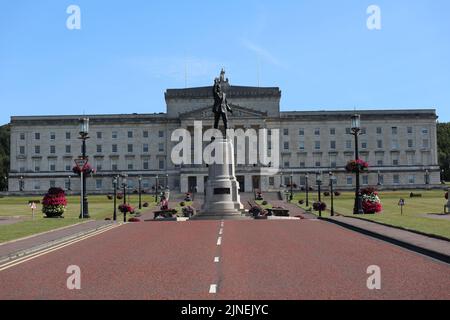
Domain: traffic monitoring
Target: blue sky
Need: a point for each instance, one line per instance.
(320, 53)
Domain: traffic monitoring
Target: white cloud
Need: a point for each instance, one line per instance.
(261, 52)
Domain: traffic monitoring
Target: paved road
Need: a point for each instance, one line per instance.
(304, 259)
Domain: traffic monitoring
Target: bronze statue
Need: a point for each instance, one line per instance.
(221, 106)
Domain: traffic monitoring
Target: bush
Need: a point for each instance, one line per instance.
(146, 205)
(54, 203)
(264, 203)
(182, 204)
(371, 201)
(319, 206)
(119, 196)
(326, 194)
(301, 201)
(337, 193)
(110, 197)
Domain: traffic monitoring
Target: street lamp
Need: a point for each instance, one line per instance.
(115, 181)
(156, 188)
(356, 129)
(140, 192)
(379, 178)
(427, 177)
(6, 182)
(124, 186)
(307, 189)
(332, 182)
(319, 183)
(292, 186)
(84, 135)
(21, 184)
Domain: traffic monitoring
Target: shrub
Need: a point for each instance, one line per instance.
(119, 196)
(301, 201)
(371, 201)
(182, 204)
(188, 211)
(337, 193)
(146, 205)
(319, 206)
(326, 194)
(264, 203)
(110, 197)
(54, 203)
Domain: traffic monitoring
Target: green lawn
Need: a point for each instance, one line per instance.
(414, 213)
(100, 207)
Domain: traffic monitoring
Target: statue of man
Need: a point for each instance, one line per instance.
(221, 106)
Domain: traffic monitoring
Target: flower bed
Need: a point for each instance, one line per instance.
(54, 203)
(126, 208)
(355, 166)
(371, 201)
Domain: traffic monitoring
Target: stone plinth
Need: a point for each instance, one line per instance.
(222, 198)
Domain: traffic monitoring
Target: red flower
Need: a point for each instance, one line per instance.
(357, 165)
(87, 169)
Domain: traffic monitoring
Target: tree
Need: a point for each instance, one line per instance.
(4, 154)
(443, 141)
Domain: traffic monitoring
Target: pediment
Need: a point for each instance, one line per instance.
(238, 111)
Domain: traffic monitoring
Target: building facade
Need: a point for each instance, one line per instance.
(400, 145)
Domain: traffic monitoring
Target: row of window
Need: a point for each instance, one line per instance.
(349, 144)
(99, 148)
(332, 131)
(99, 135)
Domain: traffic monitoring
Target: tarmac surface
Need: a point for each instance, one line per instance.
(296, 259)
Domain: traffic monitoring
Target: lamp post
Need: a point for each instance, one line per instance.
(156, 188)
(124, 186)
(292, 187)
(379, 178)
(84, 135)
(115, 198)
(21, 184)
(319, 183)
(356, 129)
(332, 182)
(6, 182)
(140, 192)
(70, 183)
(307, 189)
(427, 177)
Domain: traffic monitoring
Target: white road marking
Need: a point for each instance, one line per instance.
(216, 259)
(221, 231)
(52, 249)
(219, 241)
(213, 288)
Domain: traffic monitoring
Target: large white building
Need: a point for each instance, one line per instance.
(400, 145)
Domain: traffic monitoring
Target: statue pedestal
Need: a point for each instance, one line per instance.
(222, 200)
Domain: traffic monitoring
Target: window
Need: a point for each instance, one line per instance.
(145, 148)
(37, 149)
(161, 147)
(130, 166)
(145, 134)
(37, 165)
(302, 145)
(130, 148)
(349, 180)
(364, 144)
(380, 144)
(114, 135)
(68, 149)
(332, 144)
(22, 149)
(52, 136)
(99, 148)
(317, 145)
(333, 161)
(394, 130)
(271, 181)
(363, 130)
(302, 164)
(22, 136)
(412, 179)
(410, 130)
(286, 146)
(67, 135)
(332, 131)
(114, 166)
(99, 135)
(380, 179)
(37, 185)
(161, 164)
(395, 144)
(52, 165)
(67, 185)
(161, 134)
(130, 134)
(52, 183)
(301, 132)
(348, 144)
(317, 131)
(99, 184)
(52, 149)
(396, 179)
(379, 130)
(365, 180)
(318, 164)
(145, 165)
(425, 143)
(424, 131)
(286, 132)
(68, 167)
(114, 148)
(410, 143)
(287, 164)
(37, 136)
(380, 162)
(348, 130)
